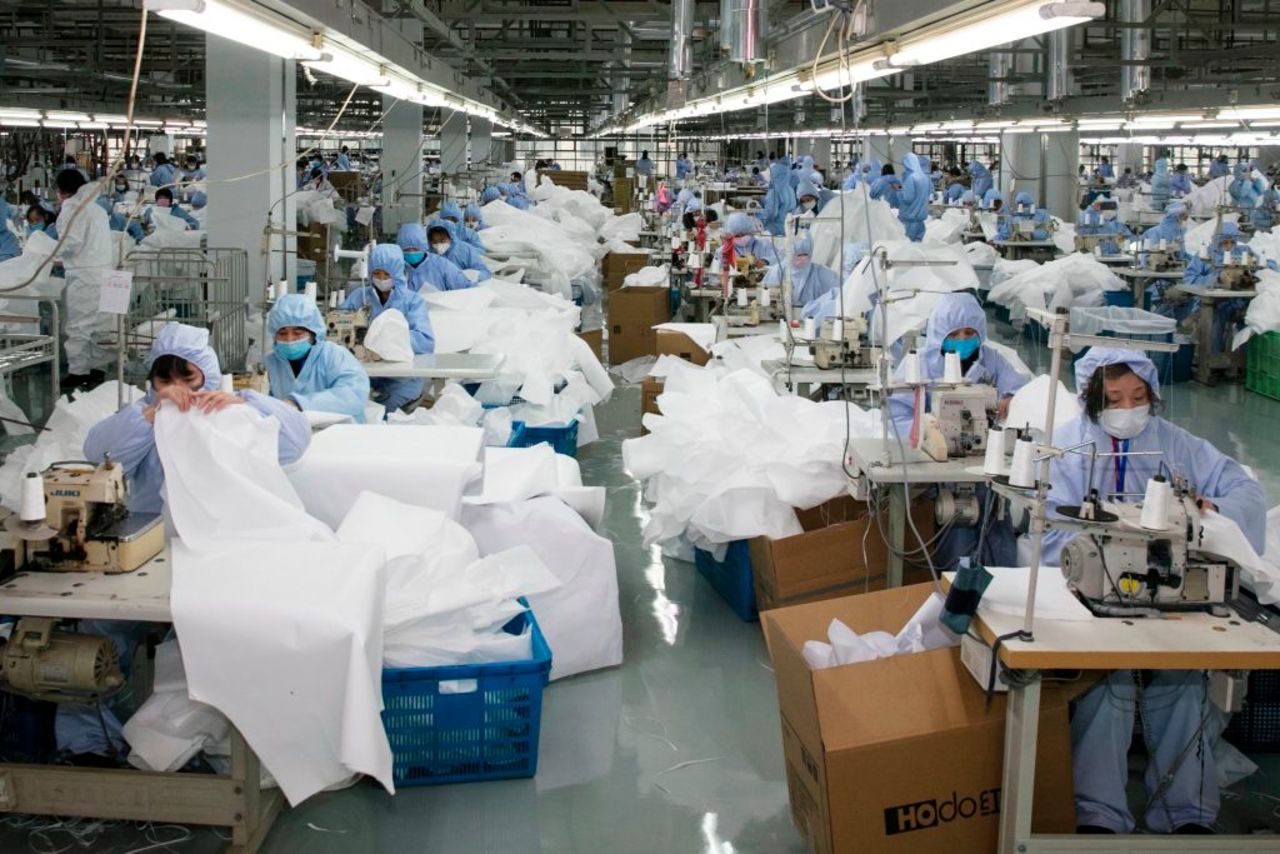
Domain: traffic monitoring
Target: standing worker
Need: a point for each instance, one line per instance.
(913, 198)
(86, 255)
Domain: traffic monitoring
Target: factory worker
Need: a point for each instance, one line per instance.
(511, 195)
(389, 289)
(1104, 169)
(993, 200)
(958, 325)
(1264, 214)
(1161, 184)
(913, 197)
(164, 175)
(742, 229)
(800, 170)
(886, 186)
(1128, 180)
(955, 188)
(86, 254)
(1180, 184)
(809, 281)
(308, 372)
(193, 171)
(981, 179)
(1204, 271)
(119, 222)
(810, 199)
(344, 159)
(451, 211)
(1120, 397)
(684, 166)
(426, 270)
(935, 174)
(490, 194)
(473, 218)
(1024, 208)
(182, 369)
(320, 183)
(1171, 229)
(199, 208)
(757, 180)
(1094, 221)
(41, 217)
(780, 199)
(644, 166)
(1245, 190)
(1219, 168)
(9, 245)
(164, 200)
(444, 242)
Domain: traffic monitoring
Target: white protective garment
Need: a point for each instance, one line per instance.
(580, 618)
(517, 474)
(1030, 405)
(866, 221)
(170, 728)
(922, 632)
(1077, 279)
(19, 270)
(86, 255)
(1263, 313)
(388, 337)
(423, 466)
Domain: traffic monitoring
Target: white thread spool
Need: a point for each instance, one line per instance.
(333, 299)
(342, 296)
(692, 247)
(1097, 250)
(764, 296)
(783, 329)
(911, 368)
(282, 288)
(716, 264)
(742, 297)
(1023, 471)
(32, 507)
(810, 328)
(310, 291)
(993, 462)
(228, 384)
(695, 261)
(1164, 245)
(951, 372)
(837, 329)
(1155, 505)
(676, 242)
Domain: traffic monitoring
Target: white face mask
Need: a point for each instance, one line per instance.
(808, 205)
(383, 285)
(1125, 423)
(440, 248)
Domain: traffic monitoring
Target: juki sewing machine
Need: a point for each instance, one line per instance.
(1238, 271)
(848, 349)
(348, 328)
(1165, 257)
(1090, 242)
(964, 413)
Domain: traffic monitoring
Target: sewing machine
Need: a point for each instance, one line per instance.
(964, 413)
(348, 328)
(849, 349)
(1119, 568)
(1237, 271)
(83, 524)
(255, 380)
(1090, 242)
(1165, 257)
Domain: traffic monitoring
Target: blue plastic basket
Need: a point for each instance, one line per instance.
(563, 438)
(731, 578)
(1120, 299)
(517, 435)
(483, 725)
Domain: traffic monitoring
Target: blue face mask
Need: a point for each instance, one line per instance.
(292, 351)
(414, 258)
(39, 226)
(963, 347)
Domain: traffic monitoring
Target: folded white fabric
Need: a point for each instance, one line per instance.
(170, 728)
(388, 337)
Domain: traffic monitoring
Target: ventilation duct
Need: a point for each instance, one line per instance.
(1058, 79)
(1135, 47)
(681, 59)
(999, 66)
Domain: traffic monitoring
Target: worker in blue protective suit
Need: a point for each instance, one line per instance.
(1120, 397)
(490, 194)
(1104, 169)
(119, 222)
(913, 198)
(780, 199)
(388, 289)
(809, 281)
(1204, 271)
(935, 174)
(344, 160)
(444, 242)
(1180, 184)
(742, 230)
(886, 186)
(1161, 184)
(183, 370)
(1245, 190)
(164, 199)
(41, 217)
(954, 192)
(1264, 215)
(1219, 168)
(992, 200)
(1024, 207)
(644, 166)
(684, 166)
(426, 270)
(1094, 221)
(981, 179)
(958, 325)
(9, 245)
(451, 211)
(164, 175)
(307, 371)
(473, 218)
(811, 199)
(1171, 229)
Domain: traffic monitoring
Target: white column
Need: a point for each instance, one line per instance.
(1062, 159)
(879, 146)
(453, 142)
(401, 164)
(250, 108)
(481, 141)
(1019, 165)
(1128, 155)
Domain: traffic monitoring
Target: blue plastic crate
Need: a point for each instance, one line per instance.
(482, 725)
(563, 438)
(731, 578)
(1120, 299)
(517, 435)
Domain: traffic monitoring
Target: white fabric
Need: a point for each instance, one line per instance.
(1263, 313)
(1074, 280)
(170, 728)
(649, 277)
(1222, 537)
(1029, 404)
(1007, 594)
(19, 270)
(1204, 201)
(517, 474)
(865, 220)
(388, 337)
(922, 633)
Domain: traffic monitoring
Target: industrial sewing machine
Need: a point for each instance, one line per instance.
(1090, 242)
(1165, 256)
(964, 413)
(848, 349)
(1238, 271)
(254, 380)
(348, 328)
(1024, 229)
(1119, 566)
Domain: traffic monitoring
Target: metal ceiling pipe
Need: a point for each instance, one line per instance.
(1058, 80)
(998, 68)
(1135, 46)
(728, 24)
(748, 41)
(681, 57)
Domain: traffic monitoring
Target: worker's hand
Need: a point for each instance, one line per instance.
(216, 401)
(1002, 408)
(1206, 504)
(182, 397)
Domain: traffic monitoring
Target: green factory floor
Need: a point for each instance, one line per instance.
(679, 749)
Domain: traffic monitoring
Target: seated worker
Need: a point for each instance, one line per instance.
(319, 182)
(958, 325)
(388, 289)
(993, 201)
(982, 180)
(490, 194)
(41, 217)
(1024, 209)
(164, 199)
(1094, 221)
(451, 211)
(444, 242)
(1161, 184)
(742, 229)
(886, 186)
(955, 187)
(1127, 181)
(810, 198)
(1180, 184)
(1245, 190)
(428, 270)
(1264, 215)
(473, 219)
(809, 281)
(1205, 271)
(200, 207)
(183, 369)
(307, 371)
(120, 222)
(1120, 398)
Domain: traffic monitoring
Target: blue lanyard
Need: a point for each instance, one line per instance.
(1122, 462)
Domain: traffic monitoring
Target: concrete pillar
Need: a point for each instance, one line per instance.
(879, 147)
(453, 142)
(401, 164)
(1128, 155)
(250, 97)
(481, 141)
(1019, 165)
(1062, 159)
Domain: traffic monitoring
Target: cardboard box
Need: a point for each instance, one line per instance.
(565, 178)
(671, 343)
(616, 266)
(633, 312)
(901, 754)
(827, 559)
(595, 340)
(649, 391)
(313, 243)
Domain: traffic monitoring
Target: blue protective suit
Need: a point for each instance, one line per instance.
(490, 194)
(118, 222)
(780, 198)
(953, 312)
(1219, 169)
(886, 187)
(329, 378)
(395, 393)
(452, 212)
(1204, 272)
(821, 197)
(1175, 702)
(954, 191)
(809, 281)
(683, 167)
(344, 162)
(1245, 192)
(1092, 221)
(1039, 216)
(990, 197)
(1265, 213)
(164, 175)
(913, 198)
(473, 213)
(758, 246)
(1105, 170)
(981, 179)
(9, 246)
(463, 255)
(514, 197)
(434, 272)
(644, 166)
(1161, 184)
(1180, 184)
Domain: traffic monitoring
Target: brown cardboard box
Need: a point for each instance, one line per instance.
(671, 343)
(633, 312)
(649, 391)
(827, 559)
(616, 266)
(595, 340)
(565, 178)
(901, 754)
(313, 243)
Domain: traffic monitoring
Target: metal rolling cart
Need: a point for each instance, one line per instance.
(19, 350)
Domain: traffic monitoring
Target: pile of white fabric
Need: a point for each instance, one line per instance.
(622, 228)
(1199, 235)
(922, 633)
(550, 254)
(1074, 280)
(649, 277)
(16, 271)
(729, 459)
(948, 228)
(852, 216)
(455, 407)
(1263, 313)
(315, 208)
(1204, 201)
